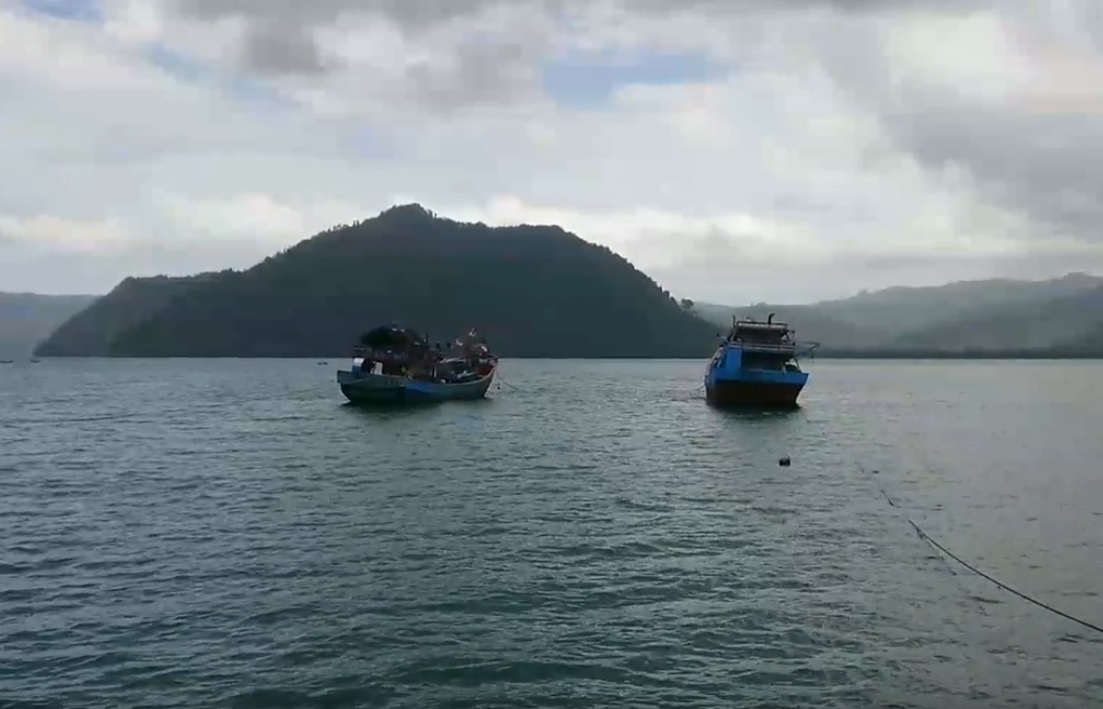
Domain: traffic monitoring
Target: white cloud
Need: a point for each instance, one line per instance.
(57, 233)
(252, 216)
(67, 58)
(975, 56)
(827, 151)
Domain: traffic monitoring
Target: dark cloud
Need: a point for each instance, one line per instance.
(478, 74)
(467, 67)
(284, 43)
(1045, 164)
(415, 12)
(293, 13)
(842, 6)
(275, 49)
(1036, 156)
(503, 66)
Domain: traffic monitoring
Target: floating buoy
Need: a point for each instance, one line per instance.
(784, 461)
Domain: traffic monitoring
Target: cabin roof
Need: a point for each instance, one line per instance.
(759, 325)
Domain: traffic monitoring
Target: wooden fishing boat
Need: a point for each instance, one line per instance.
(396, 365)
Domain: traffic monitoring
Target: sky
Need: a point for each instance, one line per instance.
(735, 150)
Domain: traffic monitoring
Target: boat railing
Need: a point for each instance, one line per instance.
(791, 349)
(756, 325)
(763, 347)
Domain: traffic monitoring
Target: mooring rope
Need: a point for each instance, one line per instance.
(949, 554)
(944, 560)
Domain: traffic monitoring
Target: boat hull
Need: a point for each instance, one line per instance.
(361, 388)
(733, 393)
(731, 383)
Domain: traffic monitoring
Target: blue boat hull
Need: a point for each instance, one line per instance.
(362, 388)
(730, 384)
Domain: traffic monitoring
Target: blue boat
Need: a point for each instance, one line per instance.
(396, 365)
(756, 366)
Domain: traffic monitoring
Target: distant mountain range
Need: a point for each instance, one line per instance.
(1060, 316)
(28, 318)
(534, 291)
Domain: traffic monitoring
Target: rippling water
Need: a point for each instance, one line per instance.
(229, 533)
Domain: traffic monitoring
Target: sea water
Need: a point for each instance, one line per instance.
(230, 533)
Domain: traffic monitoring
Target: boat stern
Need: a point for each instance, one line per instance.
(755, 393)
(730, 382)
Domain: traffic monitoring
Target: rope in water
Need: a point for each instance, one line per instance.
(949, 554)
(944, 560)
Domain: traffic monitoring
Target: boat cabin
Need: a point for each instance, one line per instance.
(764, 345)
(761, 335)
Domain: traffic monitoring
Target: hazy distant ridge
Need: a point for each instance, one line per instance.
(28, 318)
(983, 315)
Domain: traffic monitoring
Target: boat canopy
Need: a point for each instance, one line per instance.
(392, 337)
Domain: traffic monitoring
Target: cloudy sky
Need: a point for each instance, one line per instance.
(736, 150)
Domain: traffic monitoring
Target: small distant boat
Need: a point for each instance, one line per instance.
(397, 365)
(756, 366)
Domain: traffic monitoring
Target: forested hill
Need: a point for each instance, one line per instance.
(533, 291)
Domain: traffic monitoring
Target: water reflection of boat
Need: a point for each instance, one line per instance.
(756, 366)
(398, 365)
